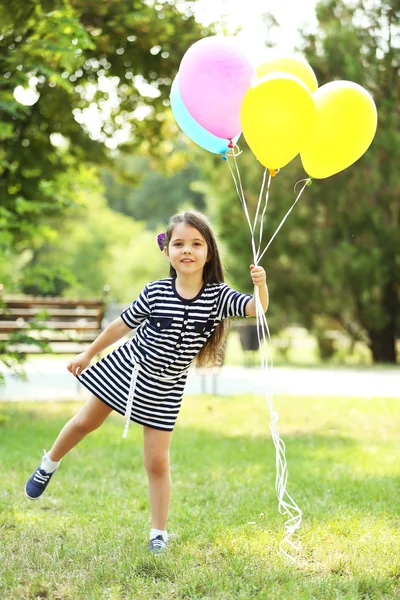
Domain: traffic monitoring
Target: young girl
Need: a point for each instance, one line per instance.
(176, 319)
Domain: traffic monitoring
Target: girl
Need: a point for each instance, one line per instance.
(176, 319)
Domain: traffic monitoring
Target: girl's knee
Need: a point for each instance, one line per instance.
(157, 464)
(91, 416)
(83, 424)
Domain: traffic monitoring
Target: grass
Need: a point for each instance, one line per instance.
(87, 537)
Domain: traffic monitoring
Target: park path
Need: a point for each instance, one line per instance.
(48, 379)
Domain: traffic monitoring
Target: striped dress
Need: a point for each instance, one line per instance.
(144, 379)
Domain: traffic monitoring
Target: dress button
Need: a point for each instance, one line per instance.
(158, 324)
(186, 308)
(178, 345)
(185, 322)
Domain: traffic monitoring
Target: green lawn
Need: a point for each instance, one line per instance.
(87, 537)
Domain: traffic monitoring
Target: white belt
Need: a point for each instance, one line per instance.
(129, 403)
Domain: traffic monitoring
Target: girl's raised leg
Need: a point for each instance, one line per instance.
(87, 419)
(92, 414)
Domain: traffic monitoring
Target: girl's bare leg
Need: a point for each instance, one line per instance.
(90, 417)
(156, 462)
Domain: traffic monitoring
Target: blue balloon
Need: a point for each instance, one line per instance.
(192, 128)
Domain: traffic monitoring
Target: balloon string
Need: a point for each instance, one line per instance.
(286, 504)
(308, 182)
(285, 217)
(240, 192)
(260, 196)
(233, 152)
(262, 216)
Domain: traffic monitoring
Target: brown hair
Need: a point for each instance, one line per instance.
(212, 351)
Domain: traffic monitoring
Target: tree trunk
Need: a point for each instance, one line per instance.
(383, 344)
(382, 341)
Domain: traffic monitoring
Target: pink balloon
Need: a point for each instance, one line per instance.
(213, 78)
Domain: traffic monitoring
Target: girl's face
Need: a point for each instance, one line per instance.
(187, 250)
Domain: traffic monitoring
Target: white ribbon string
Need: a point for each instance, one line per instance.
(286, 505)
(132, 387)
(263, 213)
(129, 403)
(260, 197)
(285, 217)
(240, 192)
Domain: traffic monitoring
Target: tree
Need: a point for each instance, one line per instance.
(336, 262)
(157, 197)
(75, 55)
(59, 60)
(98, 246)
(361, 211)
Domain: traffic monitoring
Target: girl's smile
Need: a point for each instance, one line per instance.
(187, 249)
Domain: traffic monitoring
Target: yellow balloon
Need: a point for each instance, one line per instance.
(295, 66)
(346, 125)
(277, 115)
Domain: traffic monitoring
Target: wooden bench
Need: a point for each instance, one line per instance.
(67, 325)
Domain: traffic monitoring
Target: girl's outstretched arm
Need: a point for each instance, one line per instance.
(260, 281)
(112, 333)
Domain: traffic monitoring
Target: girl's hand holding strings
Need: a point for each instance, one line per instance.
(79, 363)
(258, 275)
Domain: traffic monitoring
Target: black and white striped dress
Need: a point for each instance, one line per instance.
(170, 331)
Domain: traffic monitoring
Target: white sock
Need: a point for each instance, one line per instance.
(49, 465)
(155, 532)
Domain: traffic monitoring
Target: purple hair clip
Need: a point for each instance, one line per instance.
(161, 240)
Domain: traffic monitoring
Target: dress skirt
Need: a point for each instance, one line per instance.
(155, 401)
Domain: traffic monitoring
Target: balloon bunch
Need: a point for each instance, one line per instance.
(217, 95)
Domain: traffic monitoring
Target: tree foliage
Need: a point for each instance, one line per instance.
(97, 247)
(78, 56)
(336, 262)
(361, 211)
(158, 196)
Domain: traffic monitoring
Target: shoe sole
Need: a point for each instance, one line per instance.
(158, 551)
(30, 497)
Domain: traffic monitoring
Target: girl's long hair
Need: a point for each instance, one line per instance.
(212, 352)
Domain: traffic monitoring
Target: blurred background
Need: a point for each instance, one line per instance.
(92, 164)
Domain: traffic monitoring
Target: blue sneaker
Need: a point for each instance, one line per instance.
(37, 483)
(158, 545)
